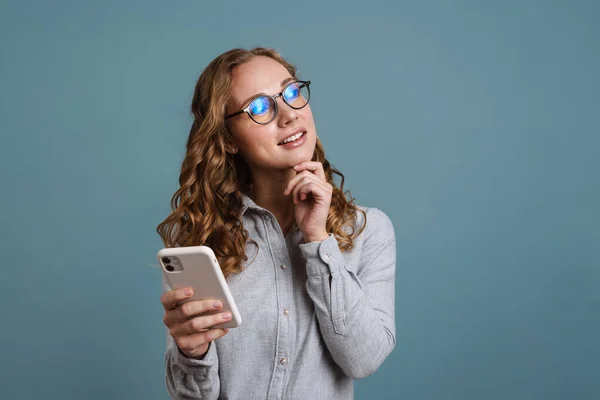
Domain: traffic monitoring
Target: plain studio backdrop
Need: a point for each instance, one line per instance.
(473, 124)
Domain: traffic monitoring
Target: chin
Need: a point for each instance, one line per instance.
(300, 154)
(303, 155)
(291, 162)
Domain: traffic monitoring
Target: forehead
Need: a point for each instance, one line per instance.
(259, 75)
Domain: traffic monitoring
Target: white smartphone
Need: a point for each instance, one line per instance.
(197, 267)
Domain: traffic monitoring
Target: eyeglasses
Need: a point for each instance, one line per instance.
(263, 109)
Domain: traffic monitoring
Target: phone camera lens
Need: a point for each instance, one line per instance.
(166, 260)
(170, 268)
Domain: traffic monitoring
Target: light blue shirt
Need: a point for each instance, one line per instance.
(314, 318)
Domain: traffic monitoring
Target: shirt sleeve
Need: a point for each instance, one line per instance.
(190, 378)
(356, 310)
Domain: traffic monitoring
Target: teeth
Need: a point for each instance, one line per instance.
(292, 138)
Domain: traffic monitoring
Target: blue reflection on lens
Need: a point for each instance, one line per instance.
(291, 92)
(260, 106)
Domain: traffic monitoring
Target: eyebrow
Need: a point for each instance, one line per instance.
(282, 84)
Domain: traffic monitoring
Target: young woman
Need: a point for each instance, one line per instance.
(312, 274)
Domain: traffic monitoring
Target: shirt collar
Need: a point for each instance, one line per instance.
(248, 203)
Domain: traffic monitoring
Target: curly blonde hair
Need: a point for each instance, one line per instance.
(207, 208)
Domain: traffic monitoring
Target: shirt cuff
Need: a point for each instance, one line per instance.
(322, 258)
(195, 366)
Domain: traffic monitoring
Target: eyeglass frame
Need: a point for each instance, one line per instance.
(274, 97)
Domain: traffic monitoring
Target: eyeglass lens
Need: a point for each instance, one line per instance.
(263, 109)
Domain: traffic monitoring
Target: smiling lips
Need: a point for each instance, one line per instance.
(293, 138)
(296, 134)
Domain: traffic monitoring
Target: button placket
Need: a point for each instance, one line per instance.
(278, 246)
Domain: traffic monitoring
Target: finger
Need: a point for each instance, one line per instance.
(294, 181)
(190, 343)
(302, 176)
(318, 189)
(170, 300)
(313, 166)
(303, 182)
(199, 324)
(191, 309)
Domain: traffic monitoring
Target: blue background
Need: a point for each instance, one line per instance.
(474, 125)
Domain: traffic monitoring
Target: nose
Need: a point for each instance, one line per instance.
(286, 113)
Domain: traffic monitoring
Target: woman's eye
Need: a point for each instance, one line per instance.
(291, 92)
(259, 106)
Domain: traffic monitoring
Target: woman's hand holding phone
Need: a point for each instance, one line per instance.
(190, 323)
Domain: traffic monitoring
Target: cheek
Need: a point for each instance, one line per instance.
(243, 132)
(250, 138)
(307, 115)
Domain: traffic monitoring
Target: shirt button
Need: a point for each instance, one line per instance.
(283, 266)
(283, 360)
(286, 311)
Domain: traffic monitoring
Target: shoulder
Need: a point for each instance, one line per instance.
(375, 248)
(378, 225)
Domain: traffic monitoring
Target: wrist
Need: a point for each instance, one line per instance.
(195, 357)
(316, 238)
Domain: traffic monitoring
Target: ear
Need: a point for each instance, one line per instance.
(228, 142)
(231, 147)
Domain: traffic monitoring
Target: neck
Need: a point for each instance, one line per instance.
(267, 192)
